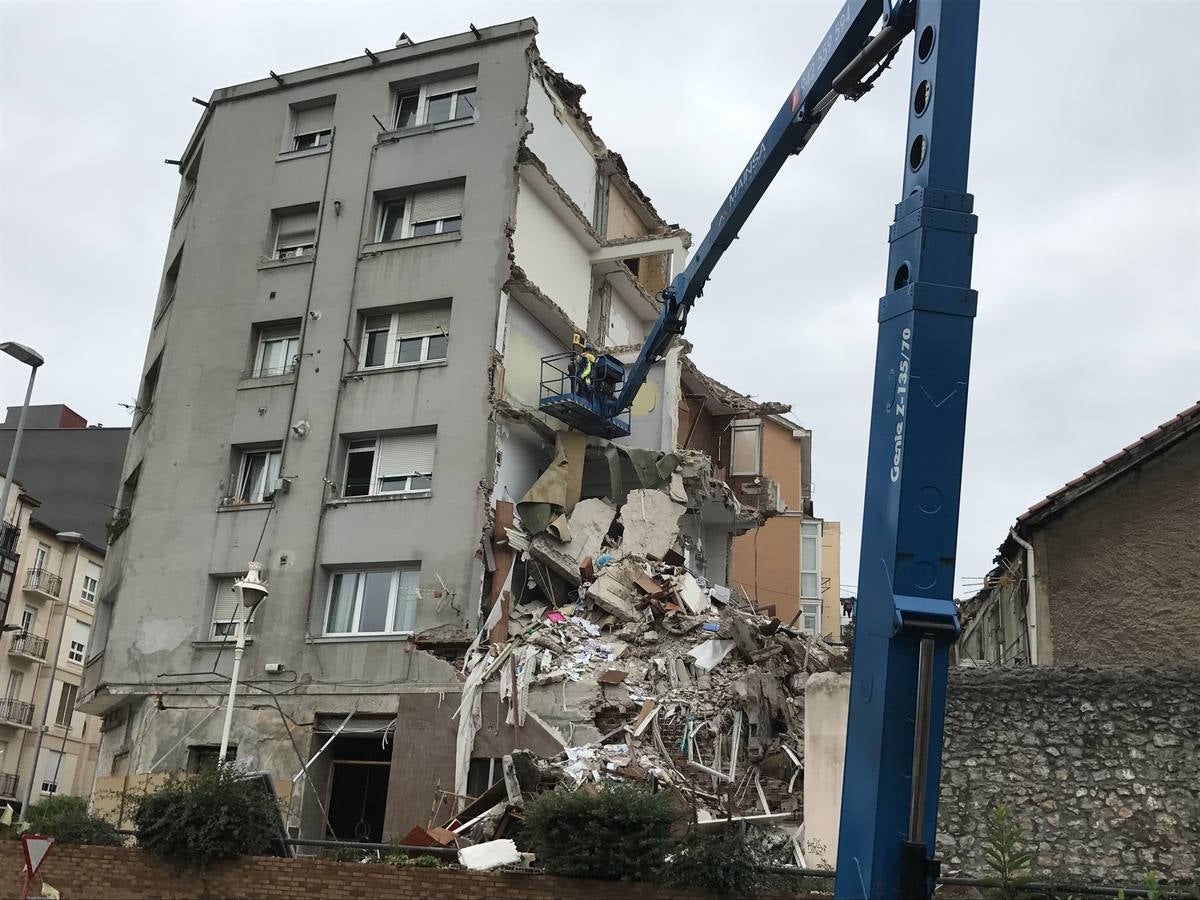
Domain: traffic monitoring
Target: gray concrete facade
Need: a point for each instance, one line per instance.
(201, 409)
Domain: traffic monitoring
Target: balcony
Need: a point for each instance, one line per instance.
(29, 645)
(43, 581)
(16, 712)
(9, 536)
(8, 784)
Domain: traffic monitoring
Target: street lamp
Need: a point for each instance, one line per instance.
(253, 591)
(33, 359)
(67, 537)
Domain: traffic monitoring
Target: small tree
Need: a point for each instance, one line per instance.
(205, 818)
(723, 863)
(1003, 853)
(68, 820)
(620, 832)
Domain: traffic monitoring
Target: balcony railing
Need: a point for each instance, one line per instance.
(43, 580)
(17, 712)
(8, 784)
(9, 535)
(29, 645)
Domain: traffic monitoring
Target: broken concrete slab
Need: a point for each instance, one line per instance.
(651, 522)
(611, 592)
(588, 525)
(691, 595)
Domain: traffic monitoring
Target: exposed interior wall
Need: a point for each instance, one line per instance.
(1099, 766)
(621, 219)
(624, 325)
(551, 256)
(557, 143)
(526, 341)
(831, 578)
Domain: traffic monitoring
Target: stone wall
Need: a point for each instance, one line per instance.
(1100, 767)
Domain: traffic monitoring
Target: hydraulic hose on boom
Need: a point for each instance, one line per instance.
(906, 619)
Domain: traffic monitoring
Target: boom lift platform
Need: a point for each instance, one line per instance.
(905, 615)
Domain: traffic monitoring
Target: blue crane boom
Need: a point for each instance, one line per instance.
(905, 617)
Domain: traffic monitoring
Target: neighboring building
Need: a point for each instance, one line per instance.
(790, 566)
(367, 262)
(1103, 569)
(74, 469)
(36, 586)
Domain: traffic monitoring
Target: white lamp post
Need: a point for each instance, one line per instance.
(67, 537)
(253, 591)
(33, 359)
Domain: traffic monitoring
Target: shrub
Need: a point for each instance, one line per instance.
(68, 820)
(620, 832)
(424, 861)
(202, 819)
(722, 862)
(1003, 853)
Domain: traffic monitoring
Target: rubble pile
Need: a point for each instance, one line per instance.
(640, 669)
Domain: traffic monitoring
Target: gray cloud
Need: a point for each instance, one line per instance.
(1085, 166)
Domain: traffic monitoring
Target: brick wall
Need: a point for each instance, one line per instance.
(116, 873)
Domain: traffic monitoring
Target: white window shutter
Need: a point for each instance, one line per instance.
(461, 83)
(298, 226)
(80, 632)
(439, 203)
(428, 320)
(314, 118)
(406, 454)
(226, 601)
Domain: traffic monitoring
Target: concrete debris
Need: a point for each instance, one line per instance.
(651, 522)
(588, 524)
(489, 854)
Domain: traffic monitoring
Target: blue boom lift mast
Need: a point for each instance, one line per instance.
(905, 614)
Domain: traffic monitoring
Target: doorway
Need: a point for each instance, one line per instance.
(357, 788)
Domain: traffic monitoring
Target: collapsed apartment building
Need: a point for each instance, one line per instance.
(367, 261)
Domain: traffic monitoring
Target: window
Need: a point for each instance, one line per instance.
(434, 102)
(170, 279)
(746, 455)
(3, 756)
(419, 214)
(227, 609)
(483, 773)
(373, 602)
(79, 638)
(205, 756)
(51, 768)
(257, 475)
(295, 232)
(28, 620)
(91, 581)
(810, 576)
(149, 388)
(12, 691)
(66, 704)
(277, 351)
(390, 464)
(408, 336)
(312, 125)
(41, 557)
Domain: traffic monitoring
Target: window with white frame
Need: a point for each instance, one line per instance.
(276, 350)
(41, 557)
(227, 608)
(434, 102)
(77, 649)
(51, 771)
(91, 581)
(28, 620)
(67, 695)
(810, 576)
(12, 690)
(420, 213)
(746, 455)
(390, 464)
(312, 125)
(258, 473)
(374, 601)
(295, 232)
(406, 336)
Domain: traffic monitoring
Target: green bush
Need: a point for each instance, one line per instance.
(202, 819)
(68, 820)
(722, 862)
(619, 833)
(424, 861)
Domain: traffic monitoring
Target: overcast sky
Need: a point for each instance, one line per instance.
(1085, 166)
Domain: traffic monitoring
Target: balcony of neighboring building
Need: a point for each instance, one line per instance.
(8, 785)
(29, 646)
(10, 536)
(15, 712)
(43, 582)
